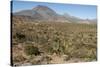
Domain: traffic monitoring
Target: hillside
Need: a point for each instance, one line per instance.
(44, 13)
(52, 43)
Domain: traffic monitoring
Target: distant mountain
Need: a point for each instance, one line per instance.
(44, 13)
(41, 13)
(93, 21)
(72, 18)
(88, 21)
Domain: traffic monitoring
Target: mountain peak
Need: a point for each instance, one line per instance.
(45, 13)
(41, 7)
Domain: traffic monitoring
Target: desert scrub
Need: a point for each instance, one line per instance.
(18, 58)
(73, 40)
(20, 36)
(31, 50)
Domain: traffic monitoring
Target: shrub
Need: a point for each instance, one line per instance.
(31, 50)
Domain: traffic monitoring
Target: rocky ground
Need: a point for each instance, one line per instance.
(35, 43)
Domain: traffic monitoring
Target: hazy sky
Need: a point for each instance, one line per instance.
(81, 11)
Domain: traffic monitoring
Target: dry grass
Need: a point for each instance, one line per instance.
(37, 42)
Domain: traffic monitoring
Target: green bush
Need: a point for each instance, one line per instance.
(31, 50)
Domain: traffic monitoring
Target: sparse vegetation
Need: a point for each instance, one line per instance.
(77, 41)
(31, 50)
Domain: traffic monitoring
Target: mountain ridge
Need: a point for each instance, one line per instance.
(44, 13)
